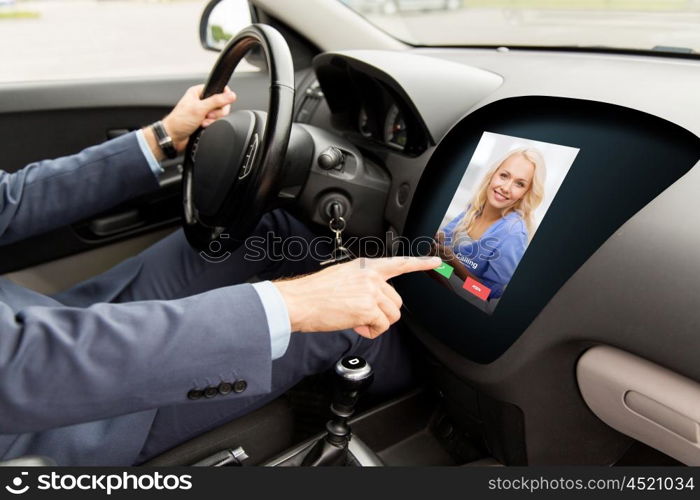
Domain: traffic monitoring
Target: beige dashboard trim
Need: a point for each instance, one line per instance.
(643, 400)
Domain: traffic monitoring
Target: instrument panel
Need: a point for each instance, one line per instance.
(393, 132)
(371, 108)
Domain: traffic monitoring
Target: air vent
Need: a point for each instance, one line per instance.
(313, 95)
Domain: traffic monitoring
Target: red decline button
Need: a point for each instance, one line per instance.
(473, 286)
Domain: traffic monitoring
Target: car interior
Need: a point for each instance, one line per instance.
(590, 355)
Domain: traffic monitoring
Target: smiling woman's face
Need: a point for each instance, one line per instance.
(510, 182)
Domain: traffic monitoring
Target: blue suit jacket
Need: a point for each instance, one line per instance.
(81, 385)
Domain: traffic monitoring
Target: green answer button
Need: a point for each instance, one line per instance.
(445, 269)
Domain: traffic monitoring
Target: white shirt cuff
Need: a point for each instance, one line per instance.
(148, 154)
(277, 317)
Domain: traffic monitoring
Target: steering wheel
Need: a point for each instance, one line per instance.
(232, 168)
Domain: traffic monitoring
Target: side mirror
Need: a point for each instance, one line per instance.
(221, 20)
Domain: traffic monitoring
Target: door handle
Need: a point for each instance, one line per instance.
(117, 223)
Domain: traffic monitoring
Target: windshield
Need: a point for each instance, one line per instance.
(665, 25)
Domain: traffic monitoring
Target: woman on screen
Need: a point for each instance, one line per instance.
(488, 238)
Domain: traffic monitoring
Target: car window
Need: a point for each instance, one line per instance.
(75, 39)
(661, 25)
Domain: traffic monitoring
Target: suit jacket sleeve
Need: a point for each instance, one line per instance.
(52, 193)
(62, 365)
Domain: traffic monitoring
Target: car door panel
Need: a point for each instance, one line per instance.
(60, 274)
(48, 120)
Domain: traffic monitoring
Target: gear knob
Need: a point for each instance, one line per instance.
(353, 375)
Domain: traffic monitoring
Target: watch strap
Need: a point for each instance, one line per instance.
(165, 142)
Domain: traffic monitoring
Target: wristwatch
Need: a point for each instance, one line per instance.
(165, 142)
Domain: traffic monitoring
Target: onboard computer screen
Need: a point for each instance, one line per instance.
(505, 193)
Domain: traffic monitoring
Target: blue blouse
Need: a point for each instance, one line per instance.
(493, 257)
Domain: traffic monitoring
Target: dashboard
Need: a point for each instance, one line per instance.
(379, 103)
(603, 263)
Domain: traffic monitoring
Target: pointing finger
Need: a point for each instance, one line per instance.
(390, 267)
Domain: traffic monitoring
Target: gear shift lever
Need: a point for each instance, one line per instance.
(353, 375)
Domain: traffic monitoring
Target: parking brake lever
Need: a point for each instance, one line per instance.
(224, 458)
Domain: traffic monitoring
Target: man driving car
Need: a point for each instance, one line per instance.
(168, 345)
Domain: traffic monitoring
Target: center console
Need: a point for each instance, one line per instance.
(337, 446)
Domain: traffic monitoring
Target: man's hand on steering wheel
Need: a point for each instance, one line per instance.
(190, 113)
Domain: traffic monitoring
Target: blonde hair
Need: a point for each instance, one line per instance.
(525, 205)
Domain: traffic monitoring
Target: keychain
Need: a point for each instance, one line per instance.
(337, 225)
